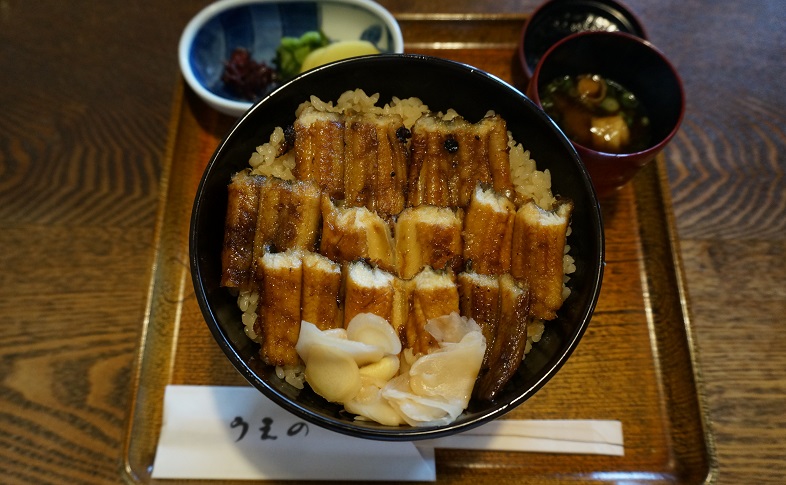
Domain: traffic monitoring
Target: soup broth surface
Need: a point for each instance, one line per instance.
(598, 113)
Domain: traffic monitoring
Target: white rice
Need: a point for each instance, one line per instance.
(264, 161)
(294, 375)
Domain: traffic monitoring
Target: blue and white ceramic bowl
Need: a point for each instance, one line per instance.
(258, 26)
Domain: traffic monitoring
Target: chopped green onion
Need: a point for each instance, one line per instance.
(628, 100)
(610, 104)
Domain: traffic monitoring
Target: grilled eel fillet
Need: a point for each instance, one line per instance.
(368, 290)
(321, 292)
(319, 150)
(428, 295)
(375, 163)
(352, 233)
(427, 235)
(356, 157)
(488, 232)
(539, 238)
(289, 216)
(266, 213)
(479, 300)
(239, 230)
(504, 355)
(279, 278)
(450, 157)
(294, 286)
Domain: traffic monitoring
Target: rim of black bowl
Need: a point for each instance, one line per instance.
(614, 11)
(666, 137)
(372, 430)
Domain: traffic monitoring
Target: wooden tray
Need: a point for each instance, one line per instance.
(636, 362)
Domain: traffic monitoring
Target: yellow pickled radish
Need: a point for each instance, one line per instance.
(332, 373)
(337, 51)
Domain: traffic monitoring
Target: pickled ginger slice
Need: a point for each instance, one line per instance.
(332, 373)
(369, 404)
(374, 330)
(311, 337)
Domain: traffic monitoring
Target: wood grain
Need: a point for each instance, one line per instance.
(85, 104)
(726, 168)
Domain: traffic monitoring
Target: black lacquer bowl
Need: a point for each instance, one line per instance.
(441, 84)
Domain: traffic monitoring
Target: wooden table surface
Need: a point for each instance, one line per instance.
(85, 101)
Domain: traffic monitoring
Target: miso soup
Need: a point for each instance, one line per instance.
(598, 113)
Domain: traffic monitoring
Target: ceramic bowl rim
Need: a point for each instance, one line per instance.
(210, 11)
(522, 52)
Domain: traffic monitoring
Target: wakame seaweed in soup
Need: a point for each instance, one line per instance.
(597, 113)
